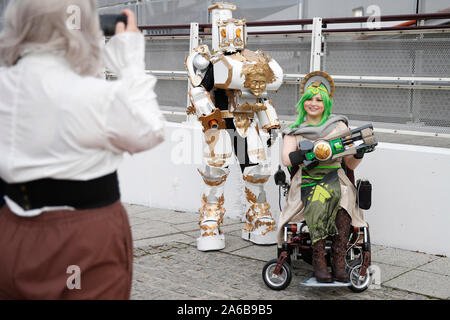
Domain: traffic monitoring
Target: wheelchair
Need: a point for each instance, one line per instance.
(277, 273)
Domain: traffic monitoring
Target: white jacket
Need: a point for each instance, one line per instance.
(57, 124)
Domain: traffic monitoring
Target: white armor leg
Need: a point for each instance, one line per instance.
(217, 154)
(256, 149)
(212, 211)
(260, 227)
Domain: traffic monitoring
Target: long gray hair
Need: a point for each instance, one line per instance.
(68, 26)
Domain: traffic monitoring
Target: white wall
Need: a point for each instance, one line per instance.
(410, 187)
(411, 196)
(167, 176)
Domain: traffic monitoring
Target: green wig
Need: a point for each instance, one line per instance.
(309, 93)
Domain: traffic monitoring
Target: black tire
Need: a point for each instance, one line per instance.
(279, 282)
(358, 284)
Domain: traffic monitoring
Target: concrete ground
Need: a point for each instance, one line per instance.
(168, 266)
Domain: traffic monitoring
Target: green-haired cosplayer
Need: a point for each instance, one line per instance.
(322, 196)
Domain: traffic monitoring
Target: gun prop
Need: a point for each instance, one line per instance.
(359, 140)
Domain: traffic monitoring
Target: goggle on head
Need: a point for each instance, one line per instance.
(232, 35)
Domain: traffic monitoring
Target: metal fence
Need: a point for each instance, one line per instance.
(411, 72)
(392, 76)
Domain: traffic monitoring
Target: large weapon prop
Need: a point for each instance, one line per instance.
(357, 141)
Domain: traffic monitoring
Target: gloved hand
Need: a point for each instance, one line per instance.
(359, 154)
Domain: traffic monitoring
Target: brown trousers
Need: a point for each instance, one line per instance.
(82, 255)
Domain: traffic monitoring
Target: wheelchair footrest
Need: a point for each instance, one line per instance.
(312, 282)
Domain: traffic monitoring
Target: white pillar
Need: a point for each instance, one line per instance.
(316, 44)
(193, 43)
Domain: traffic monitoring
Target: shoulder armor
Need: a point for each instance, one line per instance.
(197, 64)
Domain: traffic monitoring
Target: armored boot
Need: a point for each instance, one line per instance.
(212, 211)
(339, 246)
(260, 227)
(319, 262)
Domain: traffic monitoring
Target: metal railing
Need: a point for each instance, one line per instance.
(390, 74)
(302, 22)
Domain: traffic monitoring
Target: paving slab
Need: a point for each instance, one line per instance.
(232, 227)
(133, 209)
(303, 266)
(187, 227)
(431, 284)
(261, 253)
(402, 258)
(377, 248)
(234, 243)
(439, 266)
(228, 221)
(158, 241)
(169, 216)
(152, 229)
(135, 220)
(193, 235)
(389, 272)
(237, 233)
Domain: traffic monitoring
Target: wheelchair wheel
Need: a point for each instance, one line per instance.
(358, 283)
(280, 281)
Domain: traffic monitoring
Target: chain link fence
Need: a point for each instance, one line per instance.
(395, 98)
(419, 104)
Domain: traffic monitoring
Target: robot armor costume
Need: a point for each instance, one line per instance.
(218, 151)
(212, 211)
(260, 226)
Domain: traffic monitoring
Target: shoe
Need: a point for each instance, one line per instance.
(211, 217)
(339, 246)
(260, 227)
(319, 262)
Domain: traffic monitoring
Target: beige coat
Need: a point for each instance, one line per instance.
(293, 210)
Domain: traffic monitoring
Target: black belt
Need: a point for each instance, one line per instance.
(81, 195)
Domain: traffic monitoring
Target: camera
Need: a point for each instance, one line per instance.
(108, 23)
